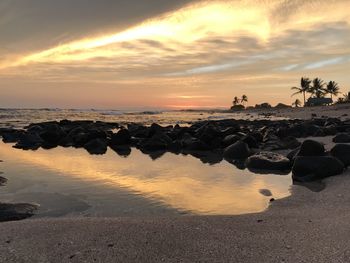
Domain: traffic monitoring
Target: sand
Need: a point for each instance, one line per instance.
(340, 111)
(304, 227)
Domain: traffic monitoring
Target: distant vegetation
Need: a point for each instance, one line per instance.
(315, 92)
(318, 91)
(239, 103)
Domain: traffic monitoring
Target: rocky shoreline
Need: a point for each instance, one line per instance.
(247, 144)
(255, 145)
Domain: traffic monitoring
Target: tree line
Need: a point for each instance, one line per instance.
(317, 88)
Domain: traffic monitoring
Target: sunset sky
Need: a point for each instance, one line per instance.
(137, 54)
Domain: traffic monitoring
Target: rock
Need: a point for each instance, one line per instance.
(209, 135)
(250, 141)
(311, 168)
(268, 161)
(330, 130)
(11, 212)
(122, 150)
(122, 137)
(29, 141)
(293, 154)
(290, 142)
(2, 181)
(342, 138)
(238, 150)
(265, 192)
(311, 148)
(158, 141)
(52, 134)
(96, 146)
(193, 144)
(230, 139)
(11, 135)
(342, 152)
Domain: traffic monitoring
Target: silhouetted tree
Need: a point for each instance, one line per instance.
(332, 89)
(303, 89)
(244, 99)
(296, 103)
(317, 88)
(235, 101)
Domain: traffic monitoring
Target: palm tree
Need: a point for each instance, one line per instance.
(235, 101)
(332, 89)
(296, 103)
(304, 87)
(317, 88)
(244, 99)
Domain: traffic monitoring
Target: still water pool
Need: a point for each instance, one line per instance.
(70, 182)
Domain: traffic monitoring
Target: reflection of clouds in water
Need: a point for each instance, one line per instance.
(180, 182)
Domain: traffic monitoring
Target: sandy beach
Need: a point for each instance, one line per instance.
(308, 226)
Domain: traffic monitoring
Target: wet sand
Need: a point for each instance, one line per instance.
(306, 227)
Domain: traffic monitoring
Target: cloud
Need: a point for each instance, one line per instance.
(203, 47)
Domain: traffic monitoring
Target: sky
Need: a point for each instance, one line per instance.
(132, 54)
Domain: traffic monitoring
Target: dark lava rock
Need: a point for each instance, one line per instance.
(238, 150)
(11, 135)
(293, 154)
(96, 146)
(342, 138)
(250, 141)
(2, 181)
(268, 161)
(330, 130)
(122, 150)
(122, 137)
(11, 212)
(29, 141)
(265, 192)
(193, 144)
(290, 142)
(311, 168)
(52, 134)
(159, 141)
(230, 139)
(311, 148)
(342, 152)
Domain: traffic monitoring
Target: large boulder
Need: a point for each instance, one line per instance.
(51, 134)
(96, 146)
(342, 138)
(230, 139)
(29, 141)
(11, 135)
(238, 150)
(311, 148)
(159, 141)
(342, 152)
(311, 168)
(193, 144)
(122, 137)
(268, 161)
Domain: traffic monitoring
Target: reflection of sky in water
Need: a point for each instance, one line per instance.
(71, 180)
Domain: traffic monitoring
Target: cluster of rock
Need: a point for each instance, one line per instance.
(244, 143)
